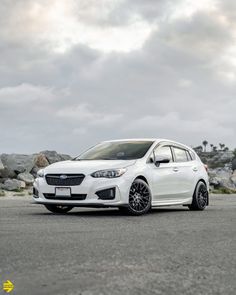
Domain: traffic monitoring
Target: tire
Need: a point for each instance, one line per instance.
(139, 198)
(200, 197)
(59, 209)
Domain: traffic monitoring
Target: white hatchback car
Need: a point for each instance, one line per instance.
(132, 174)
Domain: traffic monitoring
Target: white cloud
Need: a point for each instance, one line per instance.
(86, 113)
(179, 84)
(25, 93)
(61, 25)
(185, 83)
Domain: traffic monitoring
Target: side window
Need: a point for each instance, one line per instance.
(164, 151)
(192, 155)
(180, 155)
(188, 156)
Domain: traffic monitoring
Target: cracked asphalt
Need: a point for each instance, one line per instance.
(99, 251)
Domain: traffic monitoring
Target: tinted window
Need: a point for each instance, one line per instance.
(192, 155)
(188, 156)
(117, 150)
(164, 151)
(180, 155)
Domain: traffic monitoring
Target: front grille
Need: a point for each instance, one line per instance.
(64, 179)
(72, 197)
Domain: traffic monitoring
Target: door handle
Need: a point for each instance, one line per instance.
(195, 169)
(175, 169)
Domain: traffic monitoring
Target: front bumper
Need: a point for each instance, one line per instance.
(89, 187)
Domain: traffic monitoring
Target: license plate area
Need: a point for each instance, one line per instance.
(63, 192)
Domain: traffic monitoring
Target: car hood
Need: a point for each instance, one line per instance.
(86, 167)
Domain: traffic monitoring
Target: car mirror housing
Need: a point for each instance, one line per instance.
(161, 159)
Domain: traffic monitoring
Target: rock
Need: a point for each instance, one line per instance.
(233, 178)
(23, 184)
(1, 165)
(2, 180)
(26, 177)
(52, 156)
(6, 173)
(215, 182)
(234, 164)
(41, 161)
(65, 157)
(13, 184)
(18, 163)
(2, 193)
(221, 177)
(34, 171)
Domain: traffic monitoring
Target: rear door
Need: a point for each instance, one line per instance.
(184, 173)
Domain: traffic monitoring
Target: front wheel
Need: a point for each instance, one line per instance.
(139, 198)
(58, 208)
(200, 197)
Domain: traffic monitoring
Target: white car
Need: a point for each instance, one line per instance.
(131, 174)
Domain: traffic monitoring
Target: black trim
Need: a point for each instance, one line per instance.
(35, 192)
(72, 198)
(69, 180)
(107, 194)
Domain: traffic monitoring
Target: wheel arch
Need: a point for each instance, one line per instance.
(142, 178)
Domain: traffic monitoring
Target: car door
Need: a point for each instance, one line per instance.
(184, 173)
(163, 180)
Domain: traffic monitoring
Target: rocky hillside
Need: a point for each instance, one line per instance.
(17, 171)
(222, 169)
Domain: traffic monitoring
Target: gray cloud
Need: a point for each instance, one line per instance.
(180, 84)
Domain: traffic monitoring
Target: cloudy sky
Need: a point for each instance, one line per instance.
(75, 72)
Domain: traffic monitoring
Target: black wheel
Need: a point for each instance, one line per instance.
(139, 198)
(58, 208)
(200, 197)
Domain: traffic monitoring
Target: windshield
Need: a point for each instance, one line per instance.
(117, 150)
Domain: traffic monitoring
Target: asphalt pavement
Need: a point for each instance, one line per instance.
(100, 251)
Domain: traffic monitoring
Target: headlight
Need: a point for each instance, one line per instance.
(110, 173)
(40, 173)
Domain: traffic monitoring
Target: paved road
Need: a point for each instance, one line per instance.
(88, 251)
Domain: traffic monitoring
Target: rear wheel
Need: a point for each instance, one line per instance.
(58, 208)
(139, 198)
(200, 197)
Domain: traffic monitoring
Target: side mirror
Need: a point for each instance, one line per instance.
(161, 159)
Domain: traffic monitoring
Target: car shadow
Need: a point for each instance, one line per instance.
(107, 212)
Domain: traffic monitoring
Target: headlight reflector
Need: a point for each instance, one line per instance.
(109, 173)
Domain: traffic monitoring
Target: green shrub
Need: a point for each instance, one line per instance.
(19, 195)
(224, 190)
(2, 194)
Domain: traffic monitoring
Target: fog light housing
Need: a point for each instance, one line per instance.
(35, 193)
(107, 194)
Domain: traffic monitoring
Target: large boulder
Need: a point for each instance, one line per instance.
(234, 164)
(65, 157)
(13, 185)
(1, 165)
(233, 178)
(26, 177)
(41, 161)
(18, 163)
(52, 156)
(221, 177)
(34, 171)
(7, 173)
